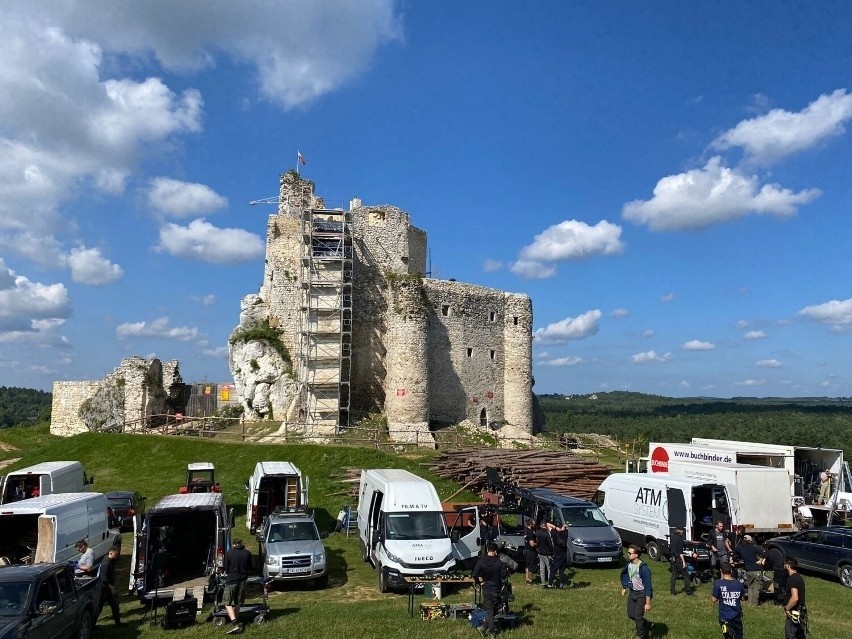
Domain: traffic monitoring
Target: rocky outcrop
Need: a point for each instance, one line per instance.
(260, 364)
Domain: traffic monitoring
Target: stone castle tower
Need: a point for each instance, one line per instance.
(363, 331)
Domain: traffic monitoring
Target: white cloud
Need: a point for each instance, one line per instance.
(648, 334)
(650, 357)
(204, 300)
(563, 361)
(297, 51)
(779, 133)
(490, 266)
(668, 297)
(754, 335)
(570, 328)
(206, 243)
(88, 266)
(837, 313)
(750, 382)
(221, 351)
(568, 240)
(620, 312)
(710, 195)
(768, 363)
(698, 345)
(741, 324)
(532, 270)
(29, 307)
(183, 199)
(158, 328)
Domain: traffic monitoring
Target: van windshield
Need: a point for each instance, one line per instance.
(584, 516)
(414, 526)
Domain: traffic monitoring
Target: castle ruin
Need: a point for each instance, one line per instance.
(364, 331)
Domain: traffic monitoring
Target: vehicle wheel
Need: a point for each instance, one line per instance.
(383, 583)
(653, 550)
(260, 620)
(322, 582)
(86, 625)
(218, 621)
(845, 574)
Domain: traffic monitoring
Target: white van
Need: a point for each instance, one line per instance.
(182, 544)
(45, 529)
(401, 528)
(644, 508)
(274, 485)
(42, 479)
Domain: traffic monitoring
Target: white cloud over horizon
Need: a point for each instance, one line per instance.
(204, 242)
(89, 266)
(699, 198)
(779, 133)
(698, 345)
(835, 313)
(768, 363)
(568, 240)
(651, 357)
(570, 328)
(158, 328)
(754, 335)
(562, 361)
(183, 199)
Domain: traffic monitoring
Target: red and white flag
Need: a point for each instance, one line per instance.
(300, 158)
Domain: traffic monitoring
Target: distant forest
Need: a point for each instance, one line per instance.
(23, 406)
(808, 421)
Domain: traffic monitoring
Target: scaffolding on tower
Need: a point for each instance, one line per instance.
(324, 359)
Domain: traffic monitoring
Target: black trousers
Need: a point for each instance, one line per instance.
(109, 595)
(557, 570)
(636, 612)
(679, 571)
(490, 602)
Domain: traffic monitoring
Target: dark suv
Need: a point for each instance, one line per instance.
(827, 550)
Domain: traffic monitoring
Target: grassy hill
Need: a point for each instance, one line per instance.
(352, 607)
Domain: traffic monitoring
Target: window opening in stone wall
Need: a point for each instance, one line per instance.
(445, 310)
(469, 353)
(492, 316)
(515, 320)
(493, 355)
(483, 418)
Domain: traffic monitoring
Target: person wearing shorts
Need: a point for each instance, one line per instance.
(237, 567)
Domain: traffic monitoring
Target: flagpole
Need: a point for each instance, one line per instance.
(297, 162)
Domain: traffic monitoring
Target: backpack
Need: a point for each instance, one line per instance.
(477, 617)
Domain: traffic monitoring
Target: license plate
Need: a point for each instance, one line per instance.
(604, 559)
(291, 571)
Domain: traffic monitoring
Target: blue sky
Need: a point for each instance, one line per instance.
(668, 181)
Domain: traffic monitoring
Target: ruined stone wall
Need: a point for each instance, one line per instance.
(517, 364)
(280, 288)
(467, 353)
(68, 397)
(382, 238)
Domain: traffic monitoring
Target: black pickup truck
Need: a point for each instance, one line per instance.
(46, 600)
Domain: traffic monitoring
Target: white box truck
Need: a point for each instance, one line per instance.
(45, 529)
(803, 463)
(644, 508)
(42, 479)
(274, 485)
(401, 527)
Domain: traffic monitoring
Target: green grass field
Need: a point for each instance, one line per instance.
(352, 607)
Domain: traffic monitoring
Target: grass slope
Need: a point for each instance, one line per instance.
(351, 607)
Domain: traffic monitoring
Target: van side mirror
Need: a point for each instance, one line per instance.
(246, 485)
(455, 536)
(89, 481)
(47, 608)
(324, 534)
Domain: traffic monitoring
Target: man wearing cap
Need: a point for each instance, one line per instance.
(749, 553)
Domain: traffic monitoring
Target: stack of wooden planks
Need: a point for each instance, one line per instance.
(562, 472)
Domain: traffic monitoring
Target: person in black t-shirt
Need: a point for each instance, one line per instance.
(490, 573)
(530, 554)
(237, 567)
(559, 535)
(545, 552)
(109, 595)
(775, 563)
(796, 624)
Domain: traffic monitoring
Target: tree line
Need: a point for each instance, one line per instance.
(816, 422)
(23, 406)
